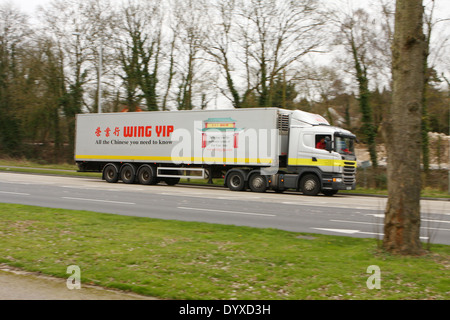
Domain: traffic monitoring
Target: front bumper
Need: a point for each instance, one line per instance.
(338, 183)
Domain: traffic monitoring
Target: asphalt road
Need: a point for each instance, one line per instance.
(348, 215)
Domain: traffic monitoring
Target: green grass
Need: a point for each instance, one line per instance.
(426, 193)
(181, 260)
(31, 164)
(52, 172)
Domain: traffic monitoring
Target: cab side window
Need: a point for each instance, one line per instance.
(321, 141)
(309, 140)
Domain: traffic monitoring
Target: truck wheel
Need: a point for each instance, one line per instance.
(128, 174)
(236, 181)
(258, 183)
(111, 173)
(329, 193)
(172, 181)
(310, 185)
(146, 175)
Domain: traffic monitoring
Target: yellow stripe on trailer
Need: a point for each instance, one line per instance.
(216, 160)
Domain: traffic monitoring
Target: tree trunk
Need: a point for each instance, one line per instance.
(403, 132)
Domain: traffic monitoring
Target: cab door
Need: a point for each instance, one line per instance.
(304, 152)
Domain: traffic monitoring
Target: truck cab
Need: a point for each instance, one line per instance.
(321, 156)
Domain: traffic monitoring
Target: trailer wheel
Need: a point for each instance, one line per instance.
(111, 173)
(236, 181)
(128, 174)
(310, 185)
(258, 183)
(146, 175)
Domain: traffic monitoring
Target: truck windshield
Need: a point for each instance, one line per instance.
(345, 145)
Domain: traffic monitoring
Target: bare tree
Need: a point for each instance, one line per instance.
(256, 43)
(359, 34)
(433, 52)
(14, 33)
(140, 51)
(219, 46)
(189, 20)
(78, 29)
(170, 72)
(403, 132)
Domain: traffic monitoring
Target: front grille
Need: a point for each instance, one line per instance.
(349, 173)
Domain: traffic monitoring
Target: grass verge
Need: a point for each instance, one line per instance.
(181, 260)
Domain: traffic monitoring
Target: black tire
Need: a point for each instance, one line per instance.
(236, 181)
(310, 185)
(111, 173)
(128, 174)
(147, 175)
(258, 183)
(329, 193)
(172, 181)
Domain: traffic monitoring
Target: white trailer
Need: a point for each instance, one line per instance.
(259, 149)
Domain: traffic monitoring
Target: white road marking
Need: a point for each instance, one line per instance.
(380, 216)
(356, 222)
(437, 221)
(225, 211)
(381, 224)
(15, 193)
(97, 200)
(346, 231)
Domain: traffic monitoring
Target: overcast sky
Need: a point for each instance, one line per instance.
(30, 5)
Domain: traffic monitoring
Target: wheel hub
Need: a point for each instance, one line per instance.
(310, 185)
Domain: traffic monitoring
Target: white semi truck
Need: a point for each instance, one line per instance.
(256, 149)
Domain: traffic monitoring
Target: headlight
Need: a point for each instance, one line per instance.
(338, 180)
